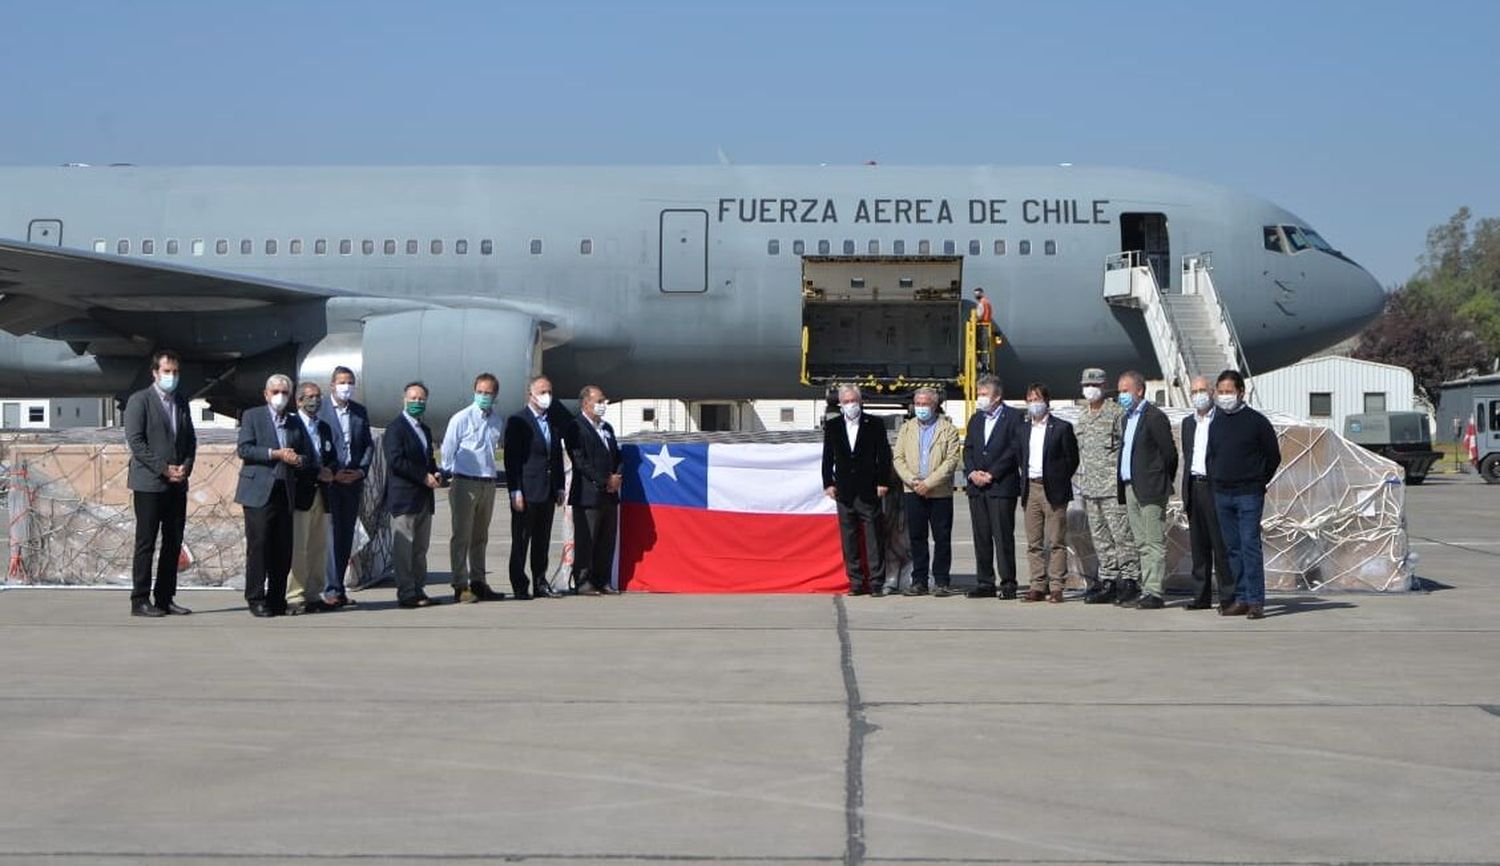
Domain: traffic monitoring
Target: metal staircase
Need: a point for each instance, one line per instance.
(1192, 332)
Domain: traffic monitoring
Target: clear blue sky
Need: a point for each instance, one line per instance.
(1371, 120)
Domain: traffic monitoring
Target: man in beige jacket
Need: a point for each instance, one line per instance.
(928, 450)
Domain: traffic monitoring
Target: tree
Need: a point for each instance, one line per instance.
(1426, 335)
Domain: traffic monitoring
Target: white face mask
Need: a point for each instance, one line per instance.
(343, 391)
(982, 403)
(167, 382)
(1201, 401)
(1037, 410)
(544, 400)
(600, 408)
(1228, 402)
(850, 410)
(278, 402)
(1093, 393)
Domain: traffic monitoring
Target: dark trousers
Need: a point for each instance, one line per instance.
(924, 514)
(594, 544)
(1210, 561)
(343, 513)
(530, 531)
(163, 512)
(859, 530)
(268, 548)
(994, 520)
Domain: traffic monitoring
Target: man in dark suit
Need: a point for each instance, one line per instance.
(270, 444)
(310, 504)
(595, 494)
(1148, 465)
(1049, 455)
(992, 452)
(411, 476)
(159, 431)
(354, 448)
(534, 473)
(856, 474)
(1209, 558)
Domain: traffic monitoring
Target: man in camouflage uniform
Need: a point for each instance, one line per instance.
(1099, 437)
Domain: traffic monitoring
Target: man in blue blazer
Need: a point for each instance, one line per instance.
(992, 451)
(271, 446)
(353, 448)
(534, 474)
(410, 478)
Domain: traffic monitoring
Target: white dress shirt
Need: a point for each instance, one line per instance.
(1200, 445)
(417, 426)
(1034, 456)
(310, 423)
(470, 443)
(852, 429)
(341, 412)
(989, 421)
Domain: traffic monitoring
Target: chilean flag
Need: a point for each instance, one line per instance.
(728, 518)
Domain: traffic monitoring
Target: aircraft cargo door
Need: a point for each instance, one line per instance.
(684, 251)
(1146, 233)
(47, 232)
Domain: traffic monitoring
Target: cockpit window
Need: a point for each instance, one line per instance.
(1273, 239)
(1295, 238)
(1317, 241)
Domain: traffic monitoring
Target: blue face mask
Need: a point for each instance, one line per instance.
(923, 413)
(484, 401)
(1127, 400)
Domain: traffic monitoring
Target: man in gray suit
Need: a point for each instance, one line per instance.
(159, 430)
(355, 448)
(269, 444)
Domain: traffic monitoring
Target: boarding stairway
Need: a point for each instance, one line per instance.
(1192, 332)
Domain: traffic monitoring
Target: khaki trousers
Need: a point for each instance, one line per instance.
(1148, 525)
(309, 554)
(472, 504)
(1046, 539)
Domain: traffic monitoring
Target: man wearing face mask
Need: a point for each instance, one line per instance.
(159, 431)
(1148, 465)
(468, 460)
(354, 448)
(411, 477)
(271, 446)
(991, 464)
(310, 505)
(926, 456)
(534, 472)
(1210, 562)
(856, 464)
(1049, 453)
(1098, 431)
(595, 494)
(1243, 456)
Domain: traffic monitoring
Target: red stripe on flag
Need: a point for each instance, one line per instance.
(665, 548)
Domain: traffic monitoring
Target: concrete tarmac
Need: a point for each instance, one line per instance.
(766, 729)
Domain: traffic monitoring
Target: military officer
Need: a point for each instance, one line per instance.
(1099, 452)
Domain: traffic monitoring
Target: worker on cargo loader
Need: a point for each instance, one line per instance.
(985, 313)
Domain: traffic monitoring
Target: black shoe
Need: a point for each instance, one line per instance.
(521, 595)
(877, 591)
(859, 590)
(1007, 593)
(261, 610)
(589, 589)
(1102, 593)
(1198, 604)
(483, 591)
(981, 592)
(915, 590)
(1127, 592)
(173, 609)
(544, 590)
(943, 590)
(1150, 602)
(608, 590)
(148, 610)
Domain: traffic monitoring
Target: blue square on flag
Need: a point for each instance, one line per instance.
(666, 474)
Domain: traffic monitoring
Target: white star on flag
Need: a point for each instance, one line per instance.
(663, 463)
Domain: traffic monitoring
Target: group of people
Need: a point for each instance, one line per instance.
(1122, 456)
(301, 483)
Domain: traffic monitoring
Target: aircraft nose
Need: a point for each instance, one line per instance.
(1364, 294)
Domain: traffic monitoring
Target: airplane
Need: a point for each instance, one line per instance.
(650, 281)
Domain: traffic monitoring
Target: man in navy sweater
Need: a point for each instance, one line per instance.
(1243, 456)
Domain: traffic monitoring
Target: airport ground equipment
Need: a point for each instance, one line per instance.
(1485, 451)
(1399, 436)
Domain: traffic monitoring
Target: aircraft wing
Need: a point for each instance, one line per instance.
(42, 286)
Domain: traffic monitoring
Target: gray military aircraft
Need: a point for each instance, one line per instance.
(680, 282)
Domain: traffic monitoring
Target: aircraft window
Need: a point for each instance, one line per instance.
(270, 246)
(586, 247)
(848, 248)
(390, 247)
(536, 246)
(411, 247)
(123, 247)
(898, 247)
(101, 245)
(1273, 239)
(1317, 240)
(197, 246)
(320, 247)
(999, 248)
(974, 248)
(294, 246)
(148, 247)
(773, 248)
(924, 248)
(949, 248)
(367, 247)
(486, 247)
(1049, 248)
(874, 248)
(172, 247)
(246, 246)
(1295, 238)
(346, 247)
(1025, 248)
(437, 247)
(221, 247)
(824, 248)
(905, 282)
(461, 247)
(798, 248)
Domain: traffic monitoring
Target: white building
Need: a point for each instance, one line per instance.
(24, 413)
(1326, 390)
